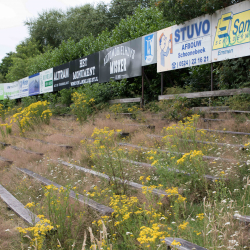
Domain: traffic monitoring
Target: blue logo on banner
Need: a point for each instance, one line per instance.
(173, 65)
(149, 48)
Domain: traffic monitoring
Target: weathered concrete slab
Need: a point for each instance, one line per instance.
(129, 183)
(83, 199)
(185, 245)
(18, 207)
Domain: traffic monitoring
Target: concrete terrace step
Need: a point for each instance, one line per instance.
(18, 207)
(184, 245)
(83, 199)
(129, 183)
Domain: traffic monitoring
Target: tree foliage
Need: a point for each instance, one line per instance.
(25, 51)
(184, 10)
(7, 62)
(52, 27)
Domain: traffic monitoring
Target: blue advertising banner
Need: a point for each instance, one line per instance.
(34, 84)
(149, 49)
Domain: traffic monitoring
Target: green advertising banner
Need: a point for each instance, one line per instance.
(46, 81)
(2, 91)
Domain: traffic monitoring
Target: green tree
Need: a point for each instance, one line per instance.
(24, 51)
(184, 10)
(120, 9)
(85, 20)
(1, 78)
(47, 28)
(7, 62)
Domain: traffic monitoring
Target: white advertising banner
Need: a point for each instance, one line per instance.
(24, 87)
(11, 90)
(231, 32)
(185, 45)
(46, 81)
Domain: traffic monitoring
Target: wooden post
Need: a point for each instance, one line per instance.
(212, 82)
(212, 77)
(142, 88)
(162, 79)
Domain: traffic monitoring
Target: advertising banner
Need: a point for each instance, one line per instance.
(121, 61)
(231, 32)
(185, 45)
(1, 91)
(34, 84)
(46, 81)
(11, 90)
(61, 77)
(149, 49)
(84, 70)
(24, 87)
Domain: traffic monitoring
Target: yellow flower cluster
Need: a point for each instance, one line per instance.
(117, 108)
(38, 232)
(183, 225)
(8, 129)
(189, 156)
(186, 129)
(175, 243)
(133, 109)
(174, 192)
(200, 216)
(35, 114)
(151, 234)
(30, 204)
(105, 133)
(82, 106)
(122, 206)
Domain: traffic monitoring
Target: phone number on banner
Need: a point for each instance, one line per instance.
(190, 62)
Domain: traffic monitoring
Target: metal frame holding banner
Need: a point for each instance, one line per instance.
(186, 45)
(149, 49)
(231, 32)
(61, 77)
(34, 84)
(46, 81)
(84, 70)
(121, 61)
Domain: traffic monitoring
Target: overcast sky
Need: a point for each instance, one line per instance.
(13, 13)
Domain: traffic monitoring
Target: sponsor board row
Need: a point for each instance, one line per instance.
(39, 83)
(210, 38)
(221, 36)
(119, 62)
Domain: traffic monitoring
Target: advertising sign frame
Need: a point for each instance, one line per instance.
(149, 49)
(231, 32)
(11, 90)
(185, 45)
(24, 87)
(34, 84)
(61, 77)
(84, 70)
(46, 81)
(121, 61)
